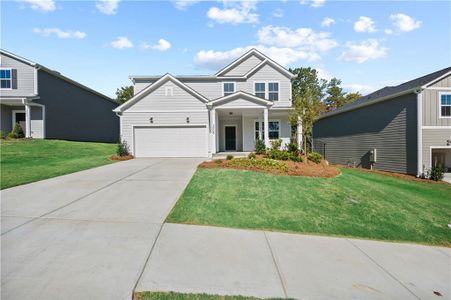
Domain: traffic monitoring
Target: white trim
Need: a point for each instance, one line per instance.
(260, 127)
(436, 79)
(36, 89)
(435, 147)
(10, 79)
(168, 125)
(266, 83)
(436, 127)
(234, 88)
(440, 105)
(169, 91)
(419, 134)
(13, 119)
(150, 88)
(242, 94)
(437, 88)
(43, 118)
(240, 59)
(230, 125)
(165, 111)
(273, 64)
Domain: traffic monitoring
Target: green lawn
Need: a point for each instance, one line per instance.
(178, 296)
(356, 204)
(24, 161)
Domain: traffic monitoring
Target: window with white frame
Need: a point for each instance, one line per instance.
(260, 90)
(445, 105)
(273, 91)
(6, 78)
(229, 88)
(273, 130)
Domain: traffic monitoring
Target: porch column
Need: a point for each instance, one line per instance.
(299, 133)
(27, 120)
(266, 126)
(213, 130)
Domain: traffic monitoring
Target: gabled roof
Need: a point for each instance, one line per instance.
(390, 92)
(54, 73)
(240, 94)
(154, 86)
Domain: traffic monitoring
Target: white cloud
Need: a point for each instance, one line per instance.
(69, 34)
(405, 23)
(121, 42)
(184, 4)
(327, 22)
(313, 3)
(162, 45)
(304, 38)
(363, 89)
(234, 13)
(41, 5)
(278, 13)
(365, 24)
(322, 73)
(108, 7)
(363, 51)
(388, 31)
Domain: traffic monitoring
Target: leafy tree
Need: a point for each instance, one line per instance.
(335, 95)
(124, 94)
(308, 91)
(351, 97)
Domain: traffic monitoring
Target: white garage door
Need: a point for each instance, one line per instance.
(171, 141)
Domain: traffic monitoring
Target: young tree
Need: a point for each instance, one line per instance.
(124, 94)
(308, 91)
(335, 95)
(351, 97)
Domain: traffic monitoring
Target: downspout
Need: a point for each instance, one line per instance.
(419, 94)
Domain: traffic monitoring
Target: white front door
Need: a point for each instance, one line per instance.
(171, 141)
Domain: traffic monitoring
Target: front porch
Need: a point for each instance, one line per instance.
(29, 115)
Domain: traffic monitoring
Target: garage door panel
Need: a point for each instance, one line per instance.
(171, 141)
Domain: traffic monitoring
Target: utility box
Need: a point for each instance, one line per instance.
(373, 155)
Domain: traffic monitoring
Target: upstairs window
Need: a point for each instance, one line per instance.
(260, 89)
(5, 79)
(445, 105)
(229, 88)
(273, 91)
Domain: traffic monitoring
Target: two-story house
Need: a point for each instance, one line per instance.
(197, 116)
(49, 105)
(404, 128)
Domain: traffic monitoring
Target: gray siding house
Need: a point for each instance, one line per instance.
(198, 116)
(404, 128)
(49, 105)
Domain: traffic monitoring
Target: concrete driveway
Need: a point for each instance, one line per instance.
(89, 234)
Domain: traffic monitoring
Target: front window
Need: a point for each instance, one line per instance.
(5, 78)
(445, 105)
(273, 131)
(273, 91)
(260, 89)
(229, 88)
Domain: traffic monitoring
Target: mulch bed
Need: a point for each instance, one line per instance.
(306, 168)
(116, 157)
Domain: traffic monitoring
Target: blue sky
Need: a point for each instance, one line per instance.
(100, 43)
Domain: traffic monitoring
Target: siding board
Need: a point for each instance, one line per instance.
(25, 81)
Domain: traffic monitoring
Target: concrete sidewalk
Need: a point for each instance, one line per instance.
(87, 235)
(201, 259)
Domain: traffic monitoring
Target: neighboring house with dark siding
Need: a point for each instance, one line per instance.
(49, 105)
(408, 125)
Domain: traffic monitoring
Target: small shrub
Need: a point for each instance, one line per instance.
(436, 173)
(262, 164)
(252, 155)
(229, 157)
(2, 134)
(218, 161)
(293, 148)
(315, 157)
(278, 155)
(123, 149)
(260, 147)
(295, 157)
(276, 144)
(17, 132)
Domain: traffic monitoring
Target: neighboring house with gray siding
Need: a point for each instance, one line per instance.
(49, 105)
(198, 116)
(408, 125)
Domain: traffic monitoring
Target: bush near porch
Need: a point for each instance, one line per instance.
(28, 160)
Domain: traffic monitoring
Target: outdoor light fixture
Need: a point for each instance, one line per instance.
(151, 120)
(187, 119)
(230, 113)
(448, 142)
